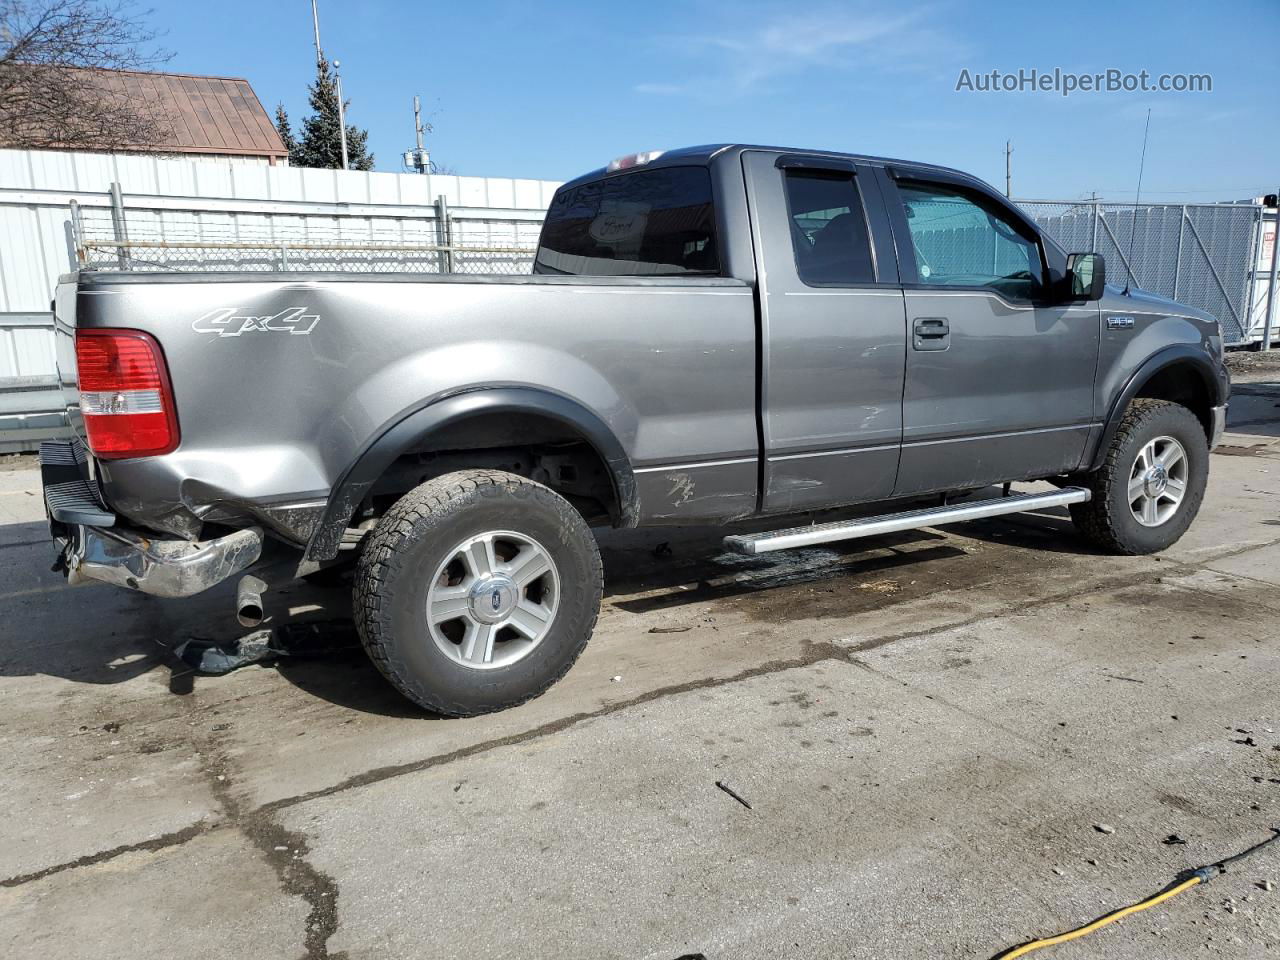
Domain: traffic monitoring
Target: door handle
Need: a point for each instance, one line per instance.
(931, 333)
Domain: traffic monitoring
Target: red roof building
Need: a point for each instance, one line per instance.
(202, 116)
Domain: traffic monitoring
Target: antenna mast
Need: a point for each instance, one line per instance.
(1133, 234)
(1008, 169)
(315, 23)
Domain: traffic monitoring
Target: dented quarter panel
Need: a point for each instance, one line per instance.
(686, 494)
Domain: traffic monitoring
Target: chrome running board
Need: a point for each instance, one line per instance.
(771, 540)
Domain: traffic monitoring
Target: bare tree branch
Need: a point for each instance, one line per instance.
(57, 87)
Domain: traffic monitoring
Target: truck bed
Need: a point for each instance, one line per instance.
(282, 379)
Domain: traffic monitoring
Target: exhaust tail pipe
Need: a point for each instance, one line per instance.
(249, 601)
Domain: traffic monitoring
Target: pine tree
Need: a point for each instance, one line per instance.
(285, 129)
(321, 145)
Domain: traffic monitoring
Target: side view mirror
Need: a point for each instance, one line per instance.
(1086, 276)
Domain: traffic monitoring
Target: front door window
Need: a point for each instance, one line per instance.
(961, 241)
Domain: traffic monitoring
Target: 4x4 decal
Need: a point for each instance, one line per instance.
(228, 322)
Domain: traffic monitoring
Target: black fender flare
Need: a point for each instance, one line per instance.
(1177, 354)
(417, 424)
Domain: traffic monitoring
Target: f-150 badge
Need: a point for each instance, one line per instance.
(229, 322)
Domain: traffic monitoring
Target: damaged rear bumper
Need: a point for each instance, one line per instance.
(94, 546)
(162, 568)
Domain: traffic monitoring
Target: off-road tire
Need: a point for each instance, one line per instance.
(401, 555)
(1106, 520)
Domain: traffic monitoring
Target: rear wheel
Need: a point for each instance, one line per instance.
(477, 591)
(1149, 488)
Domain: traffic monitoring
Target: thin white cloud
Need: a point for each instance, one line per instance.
(786, 42)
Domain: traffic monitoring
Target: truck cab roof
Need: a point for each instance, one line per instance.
(706, 154)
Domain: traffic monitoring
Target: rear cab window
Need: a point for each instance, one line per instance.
(648, 223)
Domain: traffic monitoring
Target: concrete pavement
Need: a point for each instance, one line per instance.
(928, 729)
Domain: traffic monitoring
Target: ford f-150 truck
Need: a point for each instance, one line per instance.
(708, 335)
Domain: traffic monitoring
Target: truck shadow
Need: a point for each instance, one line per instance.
(1045, 531)
(335, 670)
(693, 569)
(662, 568)
(101, 635)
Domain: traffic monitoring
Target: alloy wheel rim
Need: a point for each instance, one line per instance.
(493, 599)
(1158, 481)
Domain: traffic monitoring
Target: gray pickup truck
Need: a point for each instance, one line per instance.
(709, 335)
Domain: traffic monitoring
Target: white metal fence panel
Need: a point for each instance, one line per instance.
(26, 351)
(30, 401)
(187, 200)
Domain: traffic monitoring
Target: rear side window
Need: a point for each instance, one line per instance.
(828, 228)
(650, 223)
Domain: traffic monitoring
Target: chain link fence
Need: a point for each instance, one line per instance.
(1202, 255)
(144, 238)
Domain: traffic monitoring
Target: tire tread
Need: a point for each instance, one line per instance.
(1097, 519)
(411, 518)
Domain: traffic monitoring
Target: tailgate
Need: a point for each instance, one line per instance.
(64, 324)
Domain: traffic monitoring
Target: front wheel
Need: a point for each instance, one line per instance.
(477, 591)
(1149, 488)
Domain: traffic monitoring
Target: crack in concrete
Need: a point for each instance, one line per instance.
(174, 839)
(813, 652)
(317, 889)
(14, 544)
(258, 819)
(320, 891)
(286, 852)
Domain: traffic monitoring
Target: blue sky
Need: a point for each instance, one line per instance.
(550, 90)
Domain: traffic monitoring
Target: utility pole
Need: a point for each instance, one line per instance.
(417, 159)
(1269, 324)
(1093, 199)
(342, 116)
(1008, 169)
(315, 22)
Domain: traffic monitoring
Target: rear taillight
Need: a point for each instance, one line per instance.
(125, 395)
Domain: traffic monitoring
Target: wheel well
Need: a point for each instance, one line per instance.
(532, 445)
(1182, 383)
